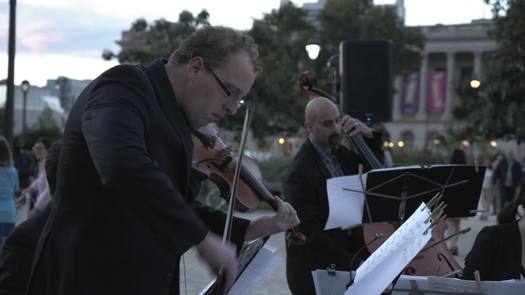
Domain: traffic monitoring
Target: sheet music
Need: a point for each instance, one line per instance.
(345, 207)
(260, 268)
(378, 271)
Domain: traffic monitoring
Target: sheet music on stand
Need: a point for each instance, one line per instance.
(394, 193)
(330, 284)
(256, 262)
(382, 267)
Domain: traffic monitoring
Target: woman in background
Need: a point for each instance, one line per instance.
(9, 187)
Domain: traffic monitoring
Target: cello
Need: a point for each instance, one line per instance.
(435, 259)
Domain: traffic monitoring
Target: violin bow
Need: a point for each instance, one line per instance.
(219, 284)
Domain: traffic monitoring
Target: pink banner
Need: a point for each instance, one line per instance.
(436, 91)
(410, 93)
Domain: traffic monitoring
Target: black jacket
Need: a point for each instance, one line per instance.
(305, 189)
(496, 253)
(122, 215)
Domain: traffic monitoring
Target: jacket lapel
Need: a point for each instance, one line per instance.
(171, 109)
(313, 154)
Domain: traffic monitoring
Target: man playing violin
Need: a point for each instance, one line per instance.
(122, 214)
(320, 157)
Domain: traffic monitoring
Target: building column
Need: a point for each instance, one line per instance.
(423, 78)
(478, 71)
(450, 84)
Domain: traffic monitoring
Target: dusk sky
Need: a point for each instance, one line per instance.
(66, 37)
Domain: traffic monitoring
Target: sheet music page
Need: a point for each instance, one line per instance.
(262, 266)
(345, 207)
(510, 287)
(378, 271)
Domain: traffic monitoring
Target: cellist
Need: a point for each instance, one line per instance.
(320, 157)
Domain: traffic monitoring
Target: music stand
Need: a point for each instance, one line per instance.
(392, 194)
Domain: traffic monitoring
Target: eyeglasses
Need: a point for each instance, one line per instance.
(227, 92)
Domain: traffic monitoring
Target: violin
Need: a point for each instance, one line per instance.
(213, 160)
(435, 259)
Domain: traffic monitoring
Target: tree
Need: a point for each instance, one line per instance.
(361, 20)
(143, 43)
(281, 36)
(45, 126)
(496, 109)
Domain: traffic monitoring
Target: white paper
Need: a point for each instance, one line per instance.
(345, 207)
(378, 271)
(261, 267)
(330, 285)
(259, 270)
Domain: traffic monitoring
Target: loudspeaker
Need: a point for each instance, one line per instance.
(366, 79)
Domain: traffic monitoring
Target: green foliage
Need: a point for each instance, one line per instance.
(361, 20)
(44, 127)
(274, 169)
(282, 36)
(143, 43)
(496, 109)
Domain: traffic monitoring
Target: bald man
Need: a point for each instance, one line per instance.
(320, 157)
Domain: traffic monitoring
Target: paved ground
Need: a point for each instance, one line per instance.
(194, 274)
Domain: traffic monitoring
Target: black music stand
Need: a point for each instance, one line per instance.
(392, 194)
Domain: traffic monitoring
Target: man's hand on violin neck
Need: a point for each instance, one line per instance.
(219, 256)
(284, 219)
(353, 127)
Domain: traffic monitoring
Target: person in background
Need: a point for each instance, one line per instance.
(24, 163)
(454, 223)
(496, 199)
(39, 186)
(487, 190)
(508, 177)
(497, 252)
(9, 187)
(321, 157)
(16, 256)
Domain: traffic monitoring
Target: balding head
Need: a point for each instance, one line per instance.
(316, 106)
(320, 119)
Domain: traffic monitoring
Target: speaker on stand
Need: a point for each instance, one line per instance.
(366, 79)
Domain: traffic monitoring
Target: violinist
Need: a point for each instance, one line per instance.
(498, 252)
(320, 157)
(122, 214)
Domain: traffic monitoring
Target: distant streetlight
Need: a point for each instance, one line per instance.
(25, 89)
(313, 48)
(475, 83)
(281, 140)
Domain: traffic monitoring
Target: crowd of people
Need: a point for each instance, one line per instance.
(113, 203)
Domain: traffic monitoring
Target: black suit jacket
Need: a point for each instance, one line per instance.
(501, 173)
(305, 189)
(496, 253)
(122, 214)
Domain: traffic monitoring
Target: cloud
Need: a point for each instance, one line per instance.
(38, 35)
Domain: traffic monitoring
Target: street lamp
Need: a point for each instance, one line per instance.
(25, 89)
(312, 48)
(474, 83)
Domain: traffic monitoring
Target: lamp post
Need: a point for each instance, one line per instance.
(25, 89)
